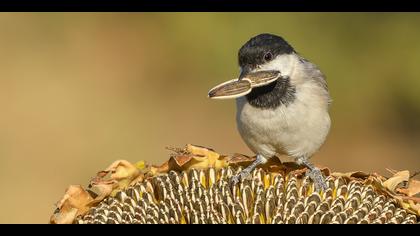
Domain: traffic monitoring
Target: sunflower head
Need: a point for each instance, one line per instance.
(194, 187)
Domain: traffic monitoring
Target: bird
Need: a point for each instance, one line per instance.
(287, 115)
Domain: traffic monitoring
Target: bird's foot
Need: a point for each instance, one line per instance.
(316, 176)
(240, 176)
(247, 171)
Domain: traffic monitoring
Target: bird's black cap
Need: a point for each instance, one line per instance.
(262, 48)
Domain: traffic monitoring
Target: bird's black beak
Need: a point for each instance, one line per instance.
(244, 72)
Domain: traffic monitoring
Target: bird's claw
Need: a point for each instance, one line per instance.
(316, 176)
(234, 180)
(240, 176)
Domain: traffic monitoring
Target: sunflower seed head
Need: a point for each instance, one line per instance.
(206, 197)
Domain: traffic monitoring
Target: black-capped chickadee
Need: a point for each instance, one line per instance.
(282, 103)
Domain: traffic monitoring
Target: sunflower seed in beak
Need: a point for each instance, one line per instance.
(261, 78)
(239, 87)
(231, 89)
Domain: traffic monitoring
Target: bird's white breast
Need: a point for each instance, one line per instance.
(298, 129)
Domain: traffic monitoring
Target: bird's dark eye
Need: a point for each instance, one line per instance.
(268, 56)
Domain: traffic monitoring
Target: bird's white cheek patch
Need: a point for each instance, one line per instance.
(283, 63)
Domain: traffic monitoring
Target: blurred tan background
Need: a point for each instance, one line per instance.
(80, 90)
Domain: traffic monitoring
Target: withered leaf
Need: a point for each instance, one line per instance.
(411, 204)
(154, 170)
(205, 158)
(102, 189)
(394, 181)
(75, 202)
(196, 157)
(177, 163)
(240, 159)
(199, 150)
(412, 189)
(117, 176)
(354, 174)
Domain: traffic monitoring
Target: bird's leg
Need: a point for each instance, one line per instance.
(247, 171)
(314, 173)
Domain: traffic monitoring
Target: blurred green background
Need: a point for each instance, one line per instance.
(80, 90)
